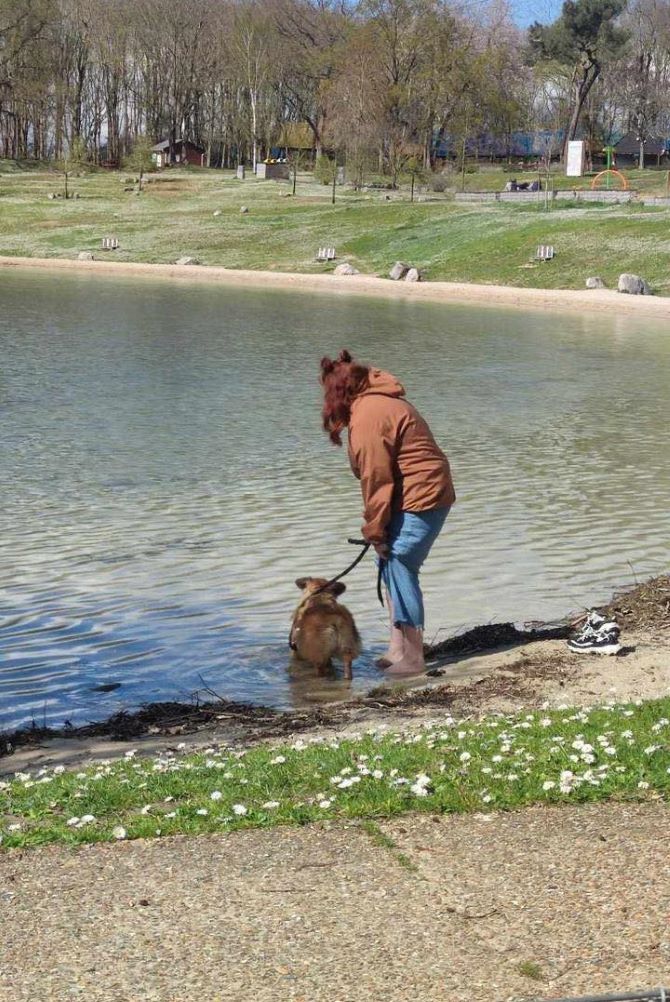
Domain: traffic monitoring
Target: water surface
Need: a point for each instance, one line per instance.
(165, 479)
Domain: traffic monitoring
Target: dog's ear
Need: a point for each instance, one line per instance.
(337, 587)
(301, 583)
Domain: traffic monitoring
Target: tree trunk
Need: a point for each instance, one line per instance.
(641, 154)
(582, 87)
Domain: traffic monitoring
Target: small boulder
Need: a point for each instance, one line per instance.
(216, 213)
(244, 209)
(398, 271)
(51, 196)
(187, 260)
(85, 256)
(413, 275)
(633, 285)
(346, 269)
(595, 283)
(76, 194)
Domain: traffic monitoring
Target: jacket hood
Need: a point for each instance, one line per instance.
(384, 383)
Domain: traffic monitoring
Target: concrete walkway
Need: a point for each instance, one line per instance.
(540, 904)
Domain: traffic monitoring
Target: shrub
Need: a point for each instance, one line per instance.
(324, 170)
(438, 183)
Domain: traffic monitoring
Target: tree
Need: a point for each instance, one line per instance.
(140, 159)
(584, 37)
(24, 27)
(297, 160)
(645, 68)
(356, 104)
(75, 157)
(311, 33)
(253, 46)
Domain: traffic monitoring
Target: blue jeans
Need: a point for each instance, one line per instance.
(410, 537)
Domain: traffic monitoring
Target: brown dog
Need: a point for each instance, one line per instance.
(322, 628)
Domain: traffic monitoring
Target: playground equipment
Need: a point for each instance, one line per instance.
(610, 173)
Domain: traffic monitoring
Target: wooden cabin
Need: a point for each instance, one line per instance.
(167, 154)
(627, 151)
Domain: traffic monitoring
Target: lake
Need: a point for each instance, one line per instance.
(165, 479)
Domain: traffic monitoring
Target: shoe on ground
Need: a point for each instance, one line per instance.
(595, 623)
(600, 642)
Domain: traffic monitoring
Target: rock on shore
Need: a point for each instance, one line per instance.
(633, 285)
(398, 271)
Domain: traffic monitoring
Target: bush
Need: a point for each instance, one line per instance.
(438, 183)
(324, 170)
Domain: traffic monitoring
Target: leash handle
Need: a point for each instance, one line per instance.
(362, 542)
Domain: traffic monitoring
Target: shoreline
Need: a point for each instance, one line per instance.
(460, 293)
(498, 669)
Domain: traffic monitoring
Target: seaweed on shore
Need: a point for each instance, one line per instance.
(163, 718)
(493, 636)
(644, 607)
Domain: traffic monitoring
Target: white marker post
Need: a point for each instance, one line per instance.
(574, 166)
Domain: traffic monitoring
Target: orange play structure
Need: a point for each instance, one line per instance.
(609, 173)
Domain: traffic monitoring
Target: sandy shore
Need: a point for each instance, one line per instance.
(539, 674)
(602, 301)
(491, 669)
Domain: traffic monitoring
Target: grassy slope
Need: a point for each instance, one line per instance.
(496, 763)
(456, 242)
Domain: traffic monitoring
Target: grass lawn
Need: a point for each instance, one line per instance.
(495, 763)
(490, 243)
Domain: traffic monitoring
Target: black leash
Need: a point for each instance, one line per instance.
(354, 542)
(365, 546)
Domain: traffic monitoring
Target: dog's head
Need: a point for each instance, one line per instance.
(308, 586)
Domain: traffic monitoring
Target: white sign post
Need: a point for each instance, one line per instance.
(575, 163)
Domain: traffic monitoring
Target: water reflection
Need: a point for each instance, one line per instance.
(165, 480)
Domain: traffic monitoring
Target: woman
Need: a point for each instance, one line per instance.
(406, 486)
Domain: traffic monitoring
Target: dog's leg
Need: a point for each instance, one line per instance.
(346, 662)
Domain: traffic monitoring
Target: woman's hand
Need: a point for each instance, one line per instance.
(382, 550)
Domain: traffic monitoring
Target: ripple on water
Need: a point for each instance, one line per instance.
(167, 481)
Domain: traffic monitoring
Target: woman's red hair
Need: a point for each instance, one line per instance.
(342, 380)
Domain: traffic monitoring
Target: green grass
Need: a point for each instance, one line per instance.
(496, 763)
(490, 243)
(384, 841)
(531, 969)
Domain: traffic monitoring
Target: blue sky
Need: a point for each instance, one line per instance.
(524, 12)
(527, 11)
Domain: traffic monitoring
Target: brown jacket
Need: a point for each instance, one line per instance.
(394, 455)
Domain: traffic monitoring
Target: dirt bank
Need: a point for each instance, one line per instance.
(602, 301)
(505, 670)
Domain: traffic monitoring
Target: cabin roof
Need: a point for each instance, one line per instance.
(654, 146)
(165, 145)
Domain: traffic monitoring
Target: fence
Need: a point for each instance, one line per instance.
(561, 194)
